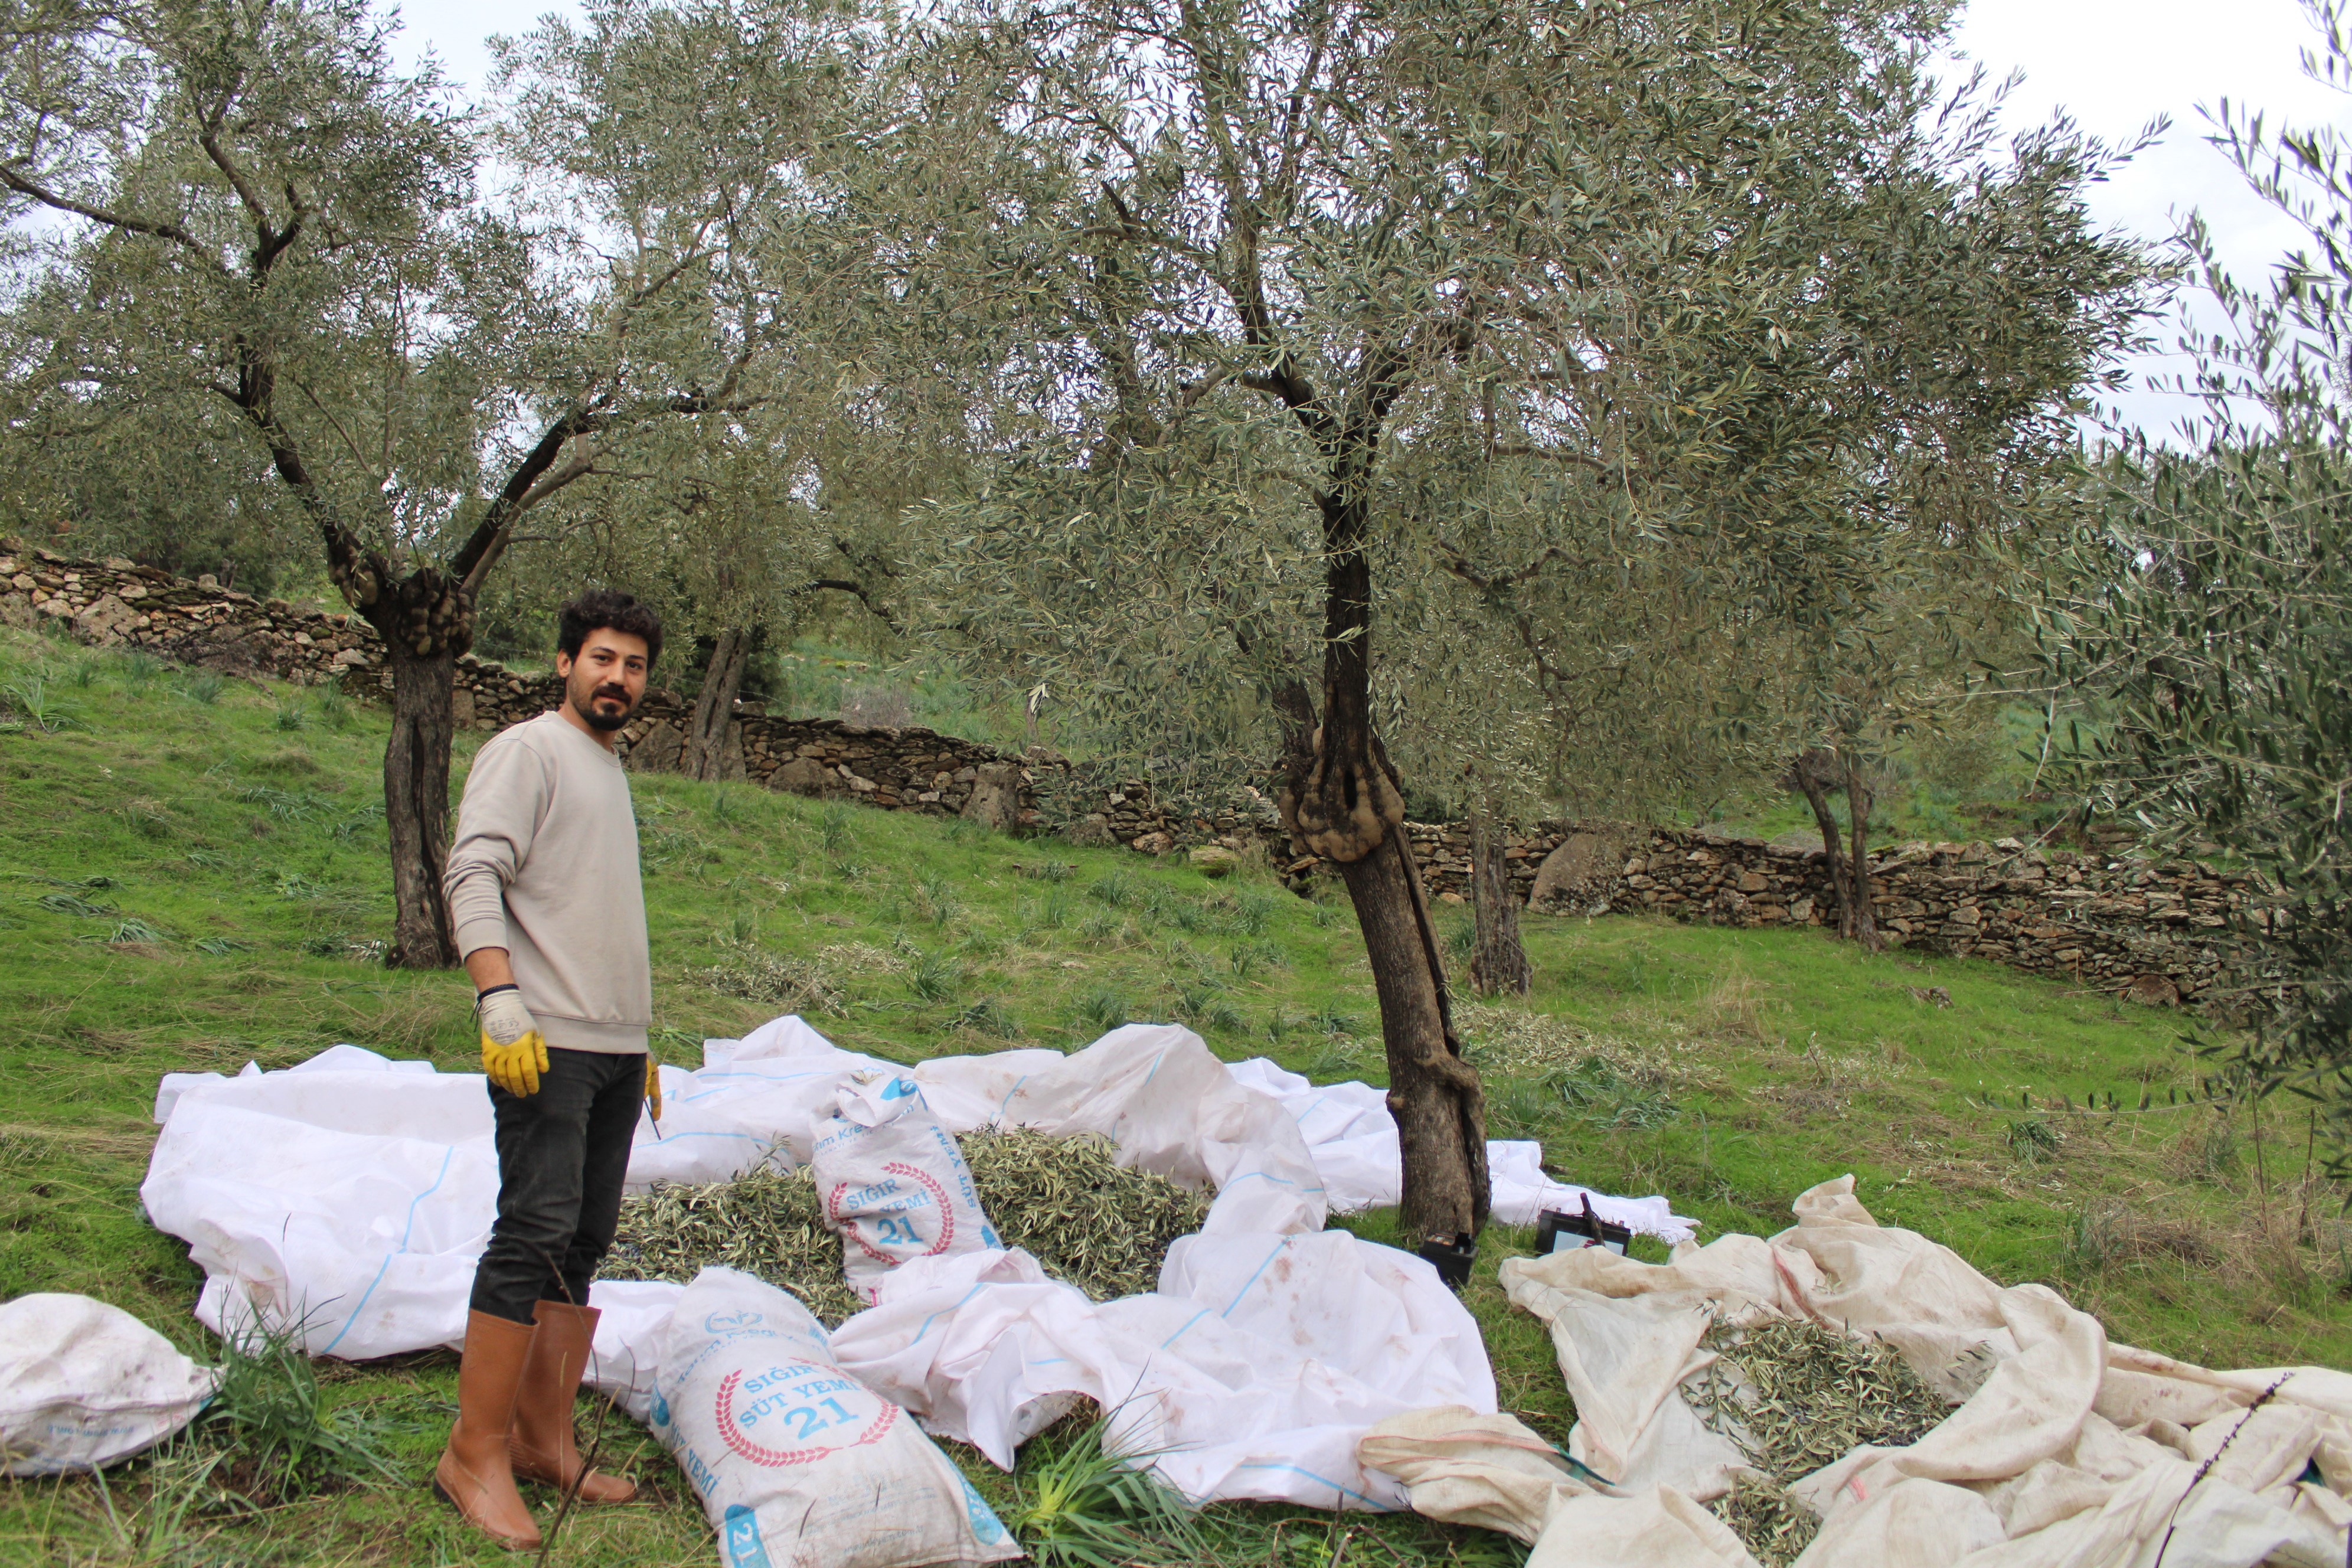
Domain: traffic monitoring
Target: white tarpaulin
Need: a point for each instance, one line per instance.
(353, 1195)
(1353, 1139)
(2069, 1450)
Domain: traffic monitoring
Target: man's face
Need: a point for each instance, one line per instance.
(603, 684)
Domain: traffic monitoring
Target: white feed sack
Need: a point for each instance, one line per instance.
(798, 1463)
(83, 1384)
(893, 1183)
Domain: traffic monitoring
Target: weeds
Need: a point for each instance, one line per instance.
(286, 714)
(1599, 1096)
(935, 976)
(203, 688)
(1119, 889)
(1106, 1010)
(935, 898)
(286, 806)
(147, 818)
(69, 904)
(1222, 1017)
(37, 708)
(358, 821)
(2216, 1153)
(131, 928)
(1253, 958)
(366, 950)
(1250, 909)
(2032, 1139)
(2093, 1234)
(1078, 1503)
(833, 829)
(1339, 1058)
(988, 1018)
(287, 1444)
(1522, 1107)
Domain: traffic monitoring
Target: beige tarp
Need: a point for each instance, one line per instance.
(2063, 1451)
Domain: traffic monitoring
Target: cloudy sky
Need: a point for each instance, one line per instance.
(2114, 65)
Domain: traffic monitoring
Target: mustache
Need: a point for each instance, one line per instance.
(617, 693)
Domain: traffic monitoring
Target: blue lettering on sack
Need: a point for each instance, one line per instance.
(661, 1409)
(697, 1472)
(985, 1522)
(742, 1530)
(900, 1089)
(988, 1236)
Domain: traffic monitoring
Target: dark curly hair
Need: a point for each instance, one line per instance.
(607, 609)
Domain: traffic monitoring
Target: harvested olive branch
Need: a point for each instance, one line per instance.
(1794, 1396)
(2172, 1519)
(1103, 1227)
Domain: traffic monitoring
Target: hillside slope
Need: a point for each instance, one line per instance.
(191, 876)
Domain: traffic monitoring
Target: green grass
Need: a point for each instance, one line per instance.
(190, 880)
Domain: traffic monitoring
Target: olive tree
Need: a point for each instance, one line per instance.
(1215, 270)
(2204, 619)
(254, 205)
(1962, 309)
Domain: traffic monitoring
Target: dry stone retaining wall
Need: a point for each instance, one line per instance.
(116, 602)
(2157, 931)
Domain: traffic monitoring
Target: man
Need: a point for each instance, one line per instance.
(550, 912)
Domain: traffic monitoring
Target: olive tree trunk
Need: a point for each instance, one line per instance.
(1498, 959)
(426, 620)
(705, 756)
(1858, 801)
(1343, 801)
(1815, 773)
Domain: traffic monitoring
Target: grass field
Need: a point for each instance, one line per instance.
(191, 876)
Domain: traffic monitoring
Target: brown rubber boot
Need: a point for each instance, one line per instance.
(544, 1447)
(474, 1475)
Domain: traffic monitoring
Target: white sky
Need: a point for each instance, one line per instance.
(2114, 64)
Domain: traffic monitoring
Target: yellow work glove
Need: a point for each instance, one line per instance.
(512, 1052)
(653, 1086)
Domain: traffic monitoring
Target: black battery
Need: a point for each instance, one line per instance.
(1556, 1231)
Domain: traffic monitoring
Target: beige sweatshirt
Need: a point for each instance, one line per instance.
(545, 866)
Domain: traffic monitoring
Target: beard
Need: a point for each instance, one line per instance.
(584, 704)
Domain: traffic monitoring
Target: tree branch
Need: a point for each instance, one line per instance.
(48, 198)
(843, 585)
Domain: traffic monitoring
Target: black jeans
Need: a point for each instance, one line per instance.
(562, 1155)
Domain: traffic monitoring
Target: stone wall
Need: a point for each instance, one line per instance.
(116, 602)
(2157, 931)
